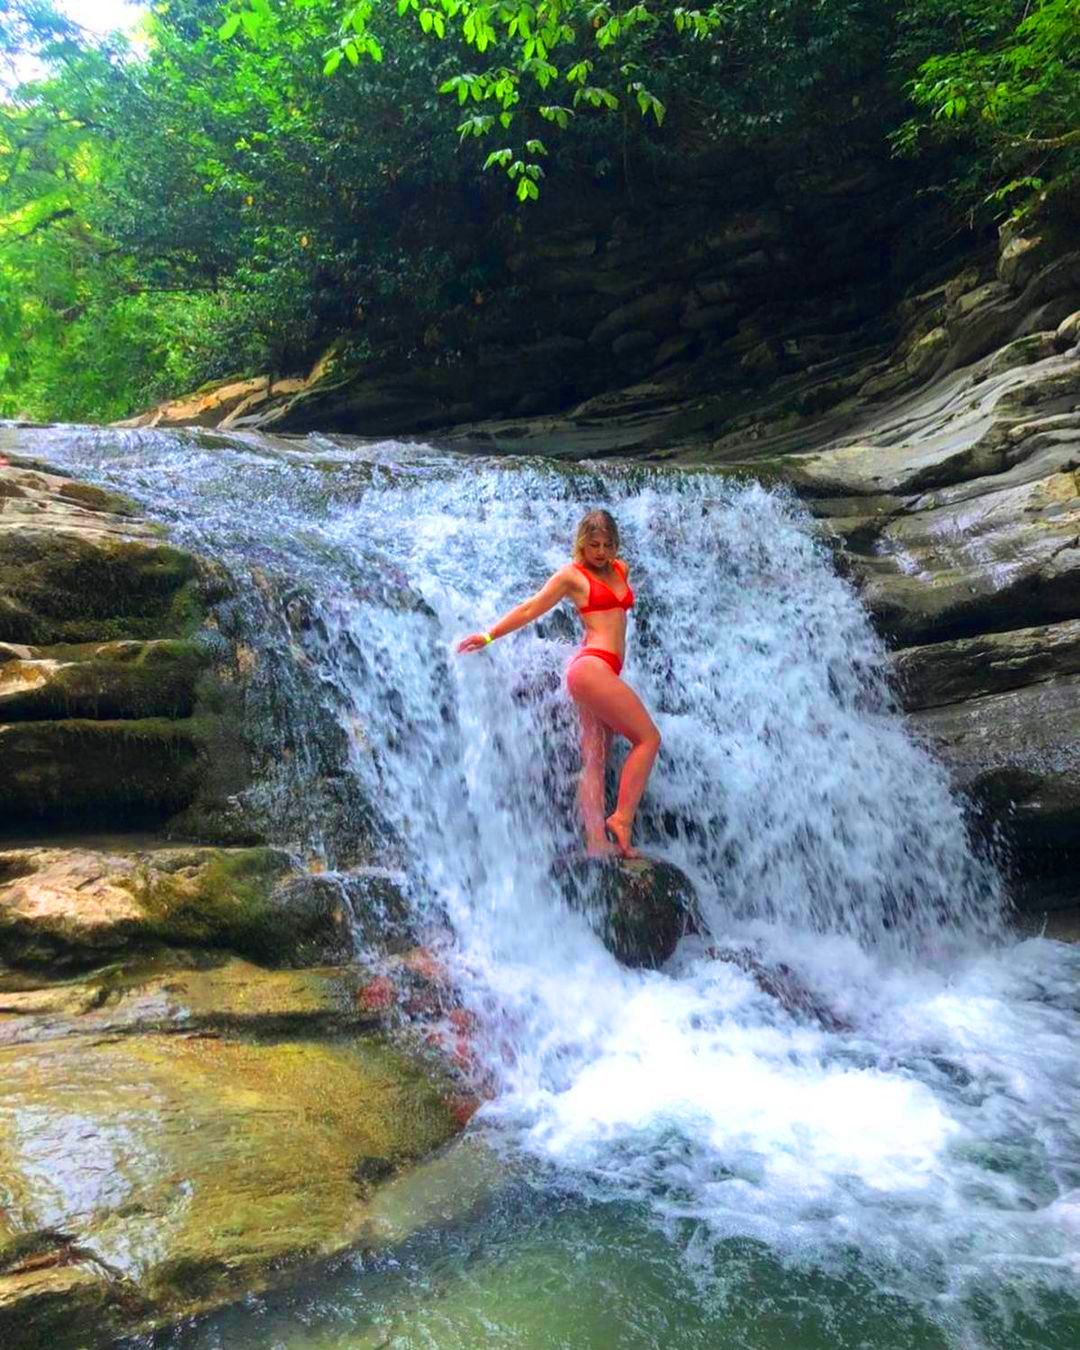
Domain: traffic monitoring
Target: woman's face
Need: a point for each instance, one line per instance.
(598, 549)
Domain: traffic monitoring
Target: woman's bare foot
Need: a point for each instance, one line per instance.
(621, 828)
(601, 847)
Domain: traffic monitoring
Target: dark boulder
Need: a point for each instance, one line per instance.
(640, 907)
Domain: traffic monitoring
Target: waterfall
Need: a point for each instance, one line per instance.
(932, 1134)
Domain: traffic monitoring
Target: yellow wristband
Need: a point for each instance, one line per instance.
(488, 639)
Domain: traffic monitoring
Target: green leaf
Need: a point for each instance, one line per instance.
(333, 60)
(229, 27)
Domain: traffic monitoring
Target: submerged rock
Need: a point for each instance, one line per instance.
(146, 1176)
(640, 907)
(780, 982)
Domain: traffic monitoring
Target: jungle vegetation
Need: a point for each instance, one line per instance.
(240, 180)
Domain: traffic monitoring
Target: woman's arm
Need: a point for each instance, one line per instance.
(556, 588)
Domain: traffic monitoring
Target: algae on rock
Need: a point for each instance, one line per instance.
(176, 1172)
(68, 907)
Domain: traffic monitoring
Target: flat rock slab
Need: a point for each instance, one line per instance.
(146, 1176)
(991, 663)
(181, 992)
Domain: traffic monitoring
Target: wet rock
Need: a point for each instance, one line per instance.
(71, 906)
(1018, 754)
(952, 672)
(640, 907)
(151, 1176)
(104, 680)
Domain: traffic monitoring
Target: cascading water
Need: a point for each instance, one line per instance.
(920, 1144)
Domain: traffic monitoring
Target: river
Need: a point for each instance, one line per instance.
(683, 1161)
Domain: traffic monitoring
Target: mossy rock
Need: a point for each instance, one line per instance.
(185, 1171)
(62, 586)
(97, 499)
(68, 907)
(248, 900)
(130, 772)
(103, 680)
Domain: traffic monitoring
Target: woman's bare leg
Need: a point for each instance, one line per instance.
(595, 742)
(596, 689)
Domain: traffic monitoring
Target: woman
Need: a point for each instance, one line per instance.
(596, 581)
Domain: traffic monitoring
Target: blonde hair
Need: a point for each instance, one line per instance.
(595, 520)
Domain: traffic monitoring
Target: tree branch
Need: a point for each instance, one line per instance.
(1045, 142)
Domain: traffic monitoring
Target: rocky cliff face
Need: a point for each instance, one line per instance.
(717, 286)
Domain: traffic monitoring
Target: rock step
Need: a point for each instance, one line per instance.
(128, 771)
(72, 907)
(100, 680)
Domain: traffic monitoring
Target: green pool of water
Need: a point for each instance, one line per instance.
(544, 1266)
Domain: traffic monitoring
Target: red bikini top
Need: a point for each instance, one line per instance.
(601, 596)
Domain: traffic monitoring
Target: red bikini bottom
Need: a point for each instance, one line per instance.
(615, 662)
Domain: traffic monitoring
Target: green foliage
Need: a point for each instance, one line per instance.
(1009, 88)
(755, 66)
(261, 176)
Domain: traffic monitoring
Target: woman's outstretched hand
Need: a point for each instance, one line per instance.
(473, 643)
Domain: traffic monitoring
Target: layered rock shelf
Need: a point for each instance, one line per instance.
(100, 657)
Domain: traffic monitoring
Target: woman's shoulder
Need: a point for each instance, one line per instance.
(570, 575)
(621, 567)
